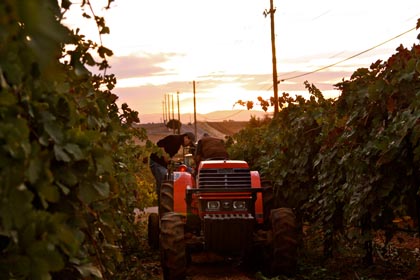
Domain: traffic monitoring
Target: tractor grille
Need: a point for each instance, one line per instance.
(224, 178)
(228, 234)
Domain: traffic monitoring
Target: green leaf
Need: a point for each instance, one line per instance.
(63, 188)
(89, 59)
(54, 130)
(68, 176)
(60, 154)
(7, 98)
(105, 30)
(74, 150)
(16, 133)
(102, 188)
(107, 219)
(103, 52)
(28, 234)
(45, 258)
(35, 169)
(70, 239)
(104, 164)
(86, 15)
(89, 270)
(49, 192)
(65, 4)
(45, 31)
(87, 193)
(13, 216)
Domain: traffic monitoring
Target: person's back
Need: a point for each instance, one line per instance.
(169, 145)
(210, 147)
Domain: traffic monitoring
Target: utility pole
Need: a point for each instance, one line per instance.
(179, 114)
(273, 52)
(163, 112)
(173, 111)
(195, 112)
(169, 108)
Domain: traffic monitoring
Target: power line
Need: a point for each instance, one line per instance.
(229, 116)
(346, 59)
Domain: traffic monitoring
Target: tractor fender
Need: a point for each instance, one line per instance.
(256, 183)
(182, 181)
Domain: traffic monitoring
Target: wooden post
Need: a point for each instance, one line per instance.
(273, 52)
(195, 112)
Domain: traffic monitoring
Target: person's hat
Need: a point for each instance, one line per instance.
(191, 136)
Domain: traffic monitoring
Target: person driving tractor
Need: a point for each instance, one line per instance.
(210, 148)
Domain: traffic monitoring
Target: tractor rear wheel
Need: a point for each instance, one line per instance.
(283, 255)
(172, 247)
(153, 230)
(166, 198)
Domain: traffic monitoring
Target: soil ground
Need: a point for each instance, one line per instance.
(400, 260)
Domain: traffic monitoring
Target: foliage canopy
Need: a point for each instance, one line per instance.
(355, 160)
(69, 167)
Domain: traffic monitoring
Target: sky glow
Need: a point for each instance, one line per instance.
(161, 46)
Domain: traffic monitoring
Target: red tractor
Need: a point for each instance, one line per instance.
(223, 209)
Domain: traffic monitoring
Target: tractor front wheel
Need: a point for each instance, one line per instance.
(166, 198)
(172, 247)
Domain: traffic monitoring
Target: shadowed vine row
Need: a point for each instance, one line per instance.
(353, 160)
(69, 168)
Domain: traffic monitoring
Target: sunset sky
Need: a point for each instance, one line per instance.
(161, 46)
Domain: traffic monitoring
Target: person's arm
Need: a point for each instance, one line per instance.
(165, 155)
(162, 144)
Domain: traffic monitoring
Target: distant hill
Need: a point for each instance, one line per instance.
(156, 131)
(217, 116)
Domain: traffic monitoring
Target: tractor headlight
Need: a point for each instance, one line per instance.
(213, 205)
(239, 205)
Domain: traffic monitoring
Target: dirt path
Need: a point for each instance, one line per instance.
(206, 266)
